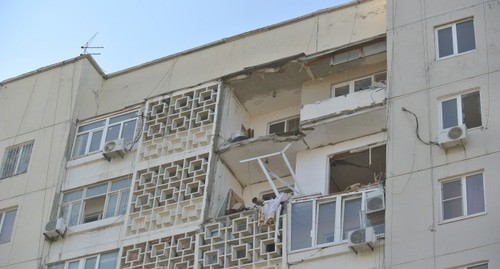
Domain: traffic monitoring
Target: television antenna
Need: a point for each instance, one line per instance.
(87, 46)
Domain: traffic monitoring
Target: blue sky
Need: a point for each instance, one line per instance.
(39, 33)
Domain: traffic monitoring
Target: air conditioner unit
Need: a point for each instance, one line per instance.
(114, 148)
(360, 239)
(452, 137)
(55, 229)
(374, 201)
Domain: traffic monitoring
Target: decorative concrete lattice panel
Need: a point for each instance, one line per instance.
(175, 252)
(168, 194)
(180, 122)
(236, 241)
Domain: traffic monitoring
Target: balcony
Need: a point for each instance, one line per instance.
(345, 117)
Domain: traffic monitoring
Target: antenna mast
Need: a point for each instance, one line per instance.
(87, 46)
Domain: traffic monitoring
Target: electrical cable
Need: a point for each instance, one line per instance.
(417, 128)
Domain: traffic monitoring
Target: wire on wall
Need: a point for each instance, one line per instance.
(417, 128)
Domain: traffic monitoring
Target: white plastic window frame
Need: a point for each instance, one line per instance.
(350, 83)
(81, 261)
(282, 120)
(339, 218)
(465, 215)
(104, 130)
(3, 213)
(122, 193)
(453, 27)
(21, 148)
(459, 108)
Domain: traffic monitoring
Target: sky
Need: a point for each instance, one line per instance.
(36, 33)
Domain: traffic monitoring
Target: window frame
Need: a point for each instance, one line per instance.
(286, 127)
(21, 147)
(339, 200)
(460, 118)
(351, 83)
(104, 129)
(463, 198)
(3, 212)
(453, 26)
(121, 193)
(81, 261)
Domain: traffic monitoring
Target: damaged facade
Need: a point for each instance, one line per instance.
(360, 136)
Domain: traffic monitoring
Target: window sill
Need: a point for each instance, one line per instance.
(95, 225)
(454, 55)
(94, 157)
(462, 218)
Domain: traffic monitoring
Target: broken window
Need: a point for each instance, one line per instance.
(288, 126)
(462, 109)
(96, 202)
(353, 169)
(359, 84)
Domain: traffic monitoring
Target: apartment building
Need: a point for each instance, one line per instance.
(360, 136)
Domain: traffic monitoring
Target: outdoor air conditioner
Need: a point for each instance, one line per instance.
(374, 201)
(452, 137)
(114, 148)
(362, 238)
(55, 229)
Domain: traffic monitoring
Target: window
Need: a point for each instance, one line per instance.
(478, 266)
(288, 126)
(462, 109)
(16, 159)
(462, 196)
(100, 261)
(358, 84)
(95, 202)
(7, 224)
(455, 38)
(89, 137)
(329, 220)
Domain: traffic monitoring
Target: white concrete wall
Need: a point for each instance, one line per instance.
(415, 169)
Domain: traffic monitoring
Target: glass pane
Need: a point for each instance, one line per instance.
(97, 190)
(123, 117)
(128, 131)
(91, 126)
(123, 203)
(108, 261)
(95, 143)
(342, 90)
(326, 223)
(113, 132)
(482, 266)
(362, 84)
(445, 42)
(9, 162)
(90, 263)
(74, 217)
(452, 208)
(64, 213)
(73, 265)
(381, 77)
(71, 196)
(111, 207)
(449, 113)
(471, 110)
(293, 125)
(352, 216)
(465, 36)
(80, 145)
(452, 189)
(301, 225)
(56, 266)
(475, 194)
(120, 184)
(7, 226)
(25, 158)
(277, 128)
